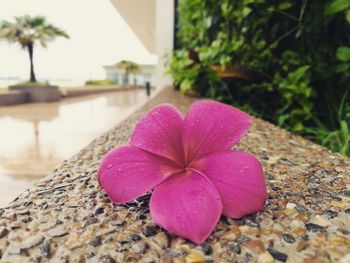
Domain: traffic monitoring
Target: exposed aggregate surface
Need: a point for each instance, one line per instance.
(66, 217)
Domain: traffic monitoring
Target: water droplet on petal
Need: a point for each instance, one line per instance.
(109, 166)
(120, 169)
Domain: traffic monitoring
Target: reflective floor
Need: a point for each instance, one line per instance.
(35, 138)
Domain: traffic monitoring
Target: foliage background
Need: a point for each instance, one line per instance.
(299, 49)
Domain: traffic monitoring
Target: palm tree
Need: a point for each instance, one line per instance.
(128, 67)
(26, 31)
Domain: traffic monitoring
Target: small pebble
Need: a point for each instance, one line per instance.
(236, 248)
(139, 247)
(99, 211)
(3, 231)
(57, 232)
(162, 239)
(106, 259)
(150, 231)
(255, 245)
(195, 257)
(251, 223)
(331, 214)
(90, 255)
(321, 221)
(32, 241)
(277, 255)
(135, 237)
(242, 239)
(45, 249)
(207, 249)
(96, 241)
(314, 227)
(288, 238)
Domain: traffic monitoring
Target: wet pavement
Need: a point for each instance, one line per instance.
(35, 138)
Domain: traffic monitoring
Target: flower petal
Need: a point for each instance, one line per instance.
(160, 132)
(239, 178)
(187, 205)
(128, 172)
(210, 126)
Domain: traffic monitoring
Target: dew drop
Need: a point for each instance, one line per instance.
(120, 169)
(109, 166)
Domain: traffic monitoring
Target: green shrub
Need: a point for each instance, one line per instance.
(99, 82)
(301, 50)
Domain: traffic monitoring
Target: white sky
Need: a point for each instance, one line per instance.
(99, 36)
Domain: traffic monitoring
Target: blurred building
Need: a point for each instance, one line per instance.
(153, 23)
(146, 73)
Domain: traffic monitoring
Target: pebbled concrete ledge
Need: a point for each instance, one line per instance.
(65, 217)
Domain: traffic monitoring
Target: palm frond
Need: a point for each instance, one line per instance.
(26, 29)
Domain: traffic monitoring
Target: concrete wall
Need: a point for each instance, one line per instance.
(39, 93)
(13, 98)
(140, 16)
(165, 12)
(153, 22)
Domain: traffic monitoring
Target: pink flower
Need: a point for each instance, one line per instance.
(189, 163)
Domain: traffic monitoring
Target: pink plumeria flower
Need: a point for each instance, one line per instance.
(189, 164)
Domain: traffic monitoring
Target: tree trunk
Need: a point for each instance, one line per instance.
(30, 47)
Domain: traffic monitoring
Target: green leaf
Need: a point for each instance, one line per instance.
(298, 127)
(347, 16)
(285, 5)
(343, 54)
(300, 72)
(246, 11)
(336, 6)
(271, 9)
